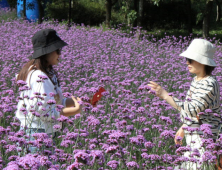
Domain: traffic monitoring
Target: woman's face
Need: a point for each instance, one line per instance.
(53, 58)
(195, 67)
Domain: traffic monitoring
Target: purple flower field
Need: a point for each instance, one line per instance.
(130, 128)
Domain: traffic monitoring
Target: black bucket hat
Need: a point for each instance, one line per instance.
(46, 41)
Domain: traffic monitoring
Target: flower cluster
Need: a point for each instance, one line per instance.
(129, 127)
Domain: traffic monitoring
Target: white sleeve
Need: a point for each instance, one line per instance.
(43, 88)
(64, 102)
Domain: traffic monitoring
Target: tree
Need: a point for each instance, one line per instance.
(24, 9)
(136, 9)
(109, 4)
(189, 17)
(218, 11)
(41, 11)
(206, 18)
(140, 13)
(70, 8)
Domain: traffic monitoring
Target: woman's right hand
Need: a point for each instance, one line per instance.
(160, 92)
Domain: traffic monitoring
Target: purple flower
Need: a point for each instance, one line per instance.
(166, 119)
(13, 165)
(39, 103)
(23, 109)
(182, 149)
(74, 166)
(208, 156)
(57, 127)
(67, 143)
(118, 135)
(62, 118)
(167, 134)
(149, 145)
(43, 77)
(24, 88)
(51, 94)
(37, 93)
(21, 83)
(180, 160)
(132, 164)
(208, 111)
(145, 155)
(82, 157)
(41, 136)
(113, 164)
(50, 102)
(59, 107)
(98, 155)
(94, 122)
(112, 149)
(44, 161)
(138, 140)
(29, 161)
(206, 128)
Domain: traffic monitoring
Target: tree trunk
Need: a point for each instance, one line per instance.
(140, 13)
(41, 11)
(218, 11)
(108, 12)
(206, 18)
(136, 9)
(70, 3)
(24, 9)
(189, 22)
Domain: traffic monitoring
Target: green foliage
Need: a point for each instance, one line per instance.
(156, 2)
(168, 15)
(132, 15)
(129, 15)
(87, 12)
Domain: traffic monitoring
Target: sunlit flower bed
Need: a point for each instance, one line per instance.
(129, 129)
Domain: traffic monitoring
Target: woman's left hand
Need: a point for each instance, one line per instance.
(180, 133)
(160, 92)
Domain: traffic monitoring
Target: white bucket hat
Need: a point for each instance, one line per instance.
(201, 51)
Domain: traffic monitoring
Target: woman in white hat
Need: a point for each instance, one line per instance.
(203, 94)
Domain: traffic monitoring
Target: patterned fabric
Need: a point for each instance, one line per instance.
(202, 98)
(58, 90)
(52, 75)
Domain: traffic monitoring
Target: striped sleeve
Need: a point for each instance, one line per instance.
(201, 100)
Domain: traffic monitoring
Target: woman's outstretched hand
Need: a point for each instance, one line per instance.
(76, 104)
(160, 92)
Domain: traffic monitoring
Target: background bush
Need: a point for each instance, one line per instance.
(87, 12)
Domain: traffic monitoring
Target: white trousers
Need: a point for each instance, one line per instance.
(197, 145)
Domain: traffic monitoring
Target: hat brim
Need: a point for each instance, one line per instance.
(199, 58)
(46, 50)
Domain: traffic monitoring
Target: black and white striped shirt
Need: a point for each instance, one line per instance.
(203, 96)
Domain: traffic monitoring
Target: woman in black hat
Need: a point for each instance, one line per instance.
(38, 107)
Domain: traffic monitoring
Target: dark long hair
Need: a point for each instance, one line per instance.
(39, 63)
(209, 69)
